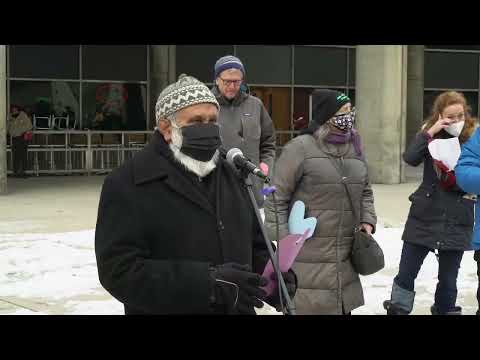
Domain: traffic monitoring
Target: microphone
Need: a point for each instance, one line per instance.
(235, 157)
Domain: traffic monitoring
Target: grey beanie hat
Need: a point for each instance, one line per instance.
(185, 92)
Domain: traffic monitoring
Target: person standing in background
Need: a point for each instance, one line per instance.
(244, 122)
(19, 127)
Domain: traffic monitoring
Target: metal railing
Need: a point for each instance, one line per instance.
(77, 152)
(91, 152)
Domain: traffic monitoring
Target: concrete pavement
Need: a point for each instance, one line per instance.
(69, 203)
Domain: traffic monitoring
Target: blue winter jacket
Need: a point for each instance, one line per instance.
(468, 177)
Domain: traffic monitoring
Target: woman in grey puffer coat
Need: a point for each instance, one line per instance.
(327, 282)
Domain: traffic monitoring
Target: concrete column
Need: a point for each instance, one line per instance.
(162, 72)
(3, 119)
(172, 63)
(381, 86)
(415, 87)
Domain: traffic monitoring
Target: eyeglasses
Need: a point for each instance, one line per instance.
(230, 82)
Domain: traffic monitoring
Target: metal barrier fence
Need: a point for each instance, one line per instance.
(75, 152)
(90, 152)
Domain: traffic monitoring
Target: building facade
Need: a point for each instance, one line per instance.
(89, 90)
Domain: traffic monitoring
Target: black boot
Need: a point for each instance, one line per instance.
(393, 309)
(456, 311)
(401, 301)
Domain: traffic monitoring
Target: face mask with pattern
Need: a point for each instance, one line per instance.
(344, 122)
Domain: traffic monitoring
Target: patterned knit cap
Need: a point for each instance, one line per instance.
(185, 92)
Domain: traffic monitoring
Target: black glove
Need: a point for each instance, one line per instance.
(236, 290)
(290, 283)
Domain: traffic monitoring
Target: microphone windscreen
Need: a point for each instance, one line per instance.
(232, 153)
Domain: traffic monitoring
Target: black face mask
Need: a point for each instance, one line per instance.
(200, 141)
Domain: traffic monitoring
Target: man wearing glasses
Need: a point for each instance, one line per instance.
(244, 121)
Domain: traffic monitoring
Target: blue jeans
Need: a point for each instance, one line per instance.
(449, 264)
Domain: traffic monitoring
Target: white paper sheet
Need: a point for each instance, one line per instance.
(446, 150)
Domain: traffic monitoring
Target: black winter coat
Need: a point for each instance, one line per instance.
(157, 233)
(438, 219)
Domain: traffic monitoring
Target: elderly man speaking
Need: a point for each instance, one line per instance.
(176, 233)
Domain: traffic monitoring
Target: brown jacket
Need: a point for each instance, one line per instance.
(19, 125)
(327, 282)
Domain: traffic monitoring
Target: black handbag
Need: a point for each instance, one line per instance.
(367, 256)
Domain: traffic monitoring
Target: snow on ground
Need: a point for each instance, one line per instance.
(27, 312)
(57, 265)
(59, 270)
(52, 268)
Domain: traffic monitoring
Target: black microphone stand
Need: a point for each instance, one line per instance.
(290, 307)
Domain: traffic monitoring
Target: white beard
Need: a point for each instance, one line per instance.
(199, 168)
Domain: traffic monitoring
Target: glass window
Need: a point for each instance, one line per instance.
(350, 93)
(115, 62)
(51, 104)
(428, 100)
(451, 70)
(301, 108)
(205, 57)
(266, 64)
(277, 103)
(352, 67)
(42, 61)
(114, 106)
(472, 100)
(454, 47)
(320, 66)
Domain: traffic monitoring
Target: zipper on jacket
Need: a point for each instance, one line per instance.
(220, 225)
(339, 235)
(338, 263)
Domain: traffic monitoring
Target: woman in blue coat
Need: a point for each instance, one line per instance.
(468, 178)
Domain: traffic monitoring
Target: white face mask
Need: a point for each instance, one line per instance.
(456, 128)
